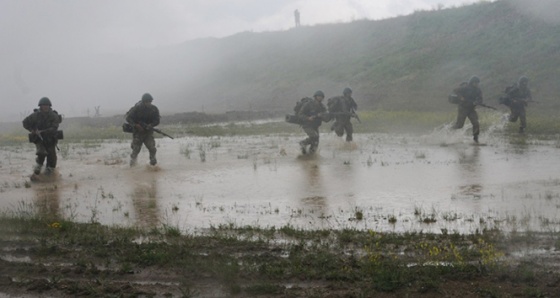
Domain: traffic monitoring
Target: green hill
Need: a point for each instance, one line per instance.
(404, 63)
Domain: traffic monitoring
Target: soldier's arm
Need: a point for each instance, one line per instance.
(303, 113)
(353, 104)
(28, 123)
(53, 123)
(155, 121)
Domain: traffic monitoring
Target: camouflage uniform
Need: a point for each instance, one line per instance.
(469, 95)
(143, 117)
(47, 122)
(517, 97)
(342, 104)
(317, 110)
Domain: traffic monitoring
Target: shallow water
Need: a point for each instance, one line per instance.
(431, 183)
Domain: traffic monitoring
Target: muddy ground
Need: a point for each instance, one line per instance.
(438, 183)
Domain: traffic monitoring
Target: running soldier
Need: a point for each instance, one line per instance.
(517, 98)
(342, 108)
(311, 115)
(468, 96)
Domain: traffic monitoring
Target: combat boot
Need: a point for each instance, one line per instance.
(49, 171)
(475, 138)
(37, 169)
(521, 129)
(313, 148)
(153, 161)
(302, 147)
(132, 162)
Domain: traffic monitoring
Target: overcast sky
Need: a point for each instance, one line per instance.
(110, 25)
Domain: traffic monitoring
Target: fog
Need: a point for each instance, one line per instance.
(105, 54)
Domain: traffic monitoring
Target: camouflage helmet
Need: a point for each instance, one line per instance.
(523, 80)
(45, 101)
(319, 93)
(347, 91)
(474, 80)
(147, 97)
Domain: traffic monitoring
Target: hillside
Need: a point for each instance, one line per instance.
(408, 62)
(403, 63)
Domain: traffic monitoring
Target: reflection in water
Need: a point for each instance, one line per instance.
(469, 161)
(312, 190)
(47, 200)
(144, 199)
(470, 173)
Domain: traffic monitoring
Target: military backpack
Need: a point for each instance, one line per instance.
(299, 104)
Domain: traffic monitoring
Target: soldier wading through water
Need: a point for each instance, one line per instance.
(43, 128)
(517, 98)
(311, 115)
(143, 117)
(467, 96)
(342, 108)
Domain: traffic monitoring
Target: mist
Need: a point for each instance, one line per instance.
(89, 56)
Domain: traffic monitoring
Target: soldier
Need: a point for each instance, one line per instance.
(296, 16)
(143, 116)
(311, 115)
(343, 107)
(469, 95)
(517, 97)
(43, 127)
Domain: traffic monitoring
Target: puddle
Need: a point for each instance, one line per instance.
(433, 183)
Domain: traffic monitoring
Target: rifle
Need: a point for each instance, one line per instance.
(34, 134)
(161, 132)
(38, 134)
(145, 126)
(485, 106)
(352, 114)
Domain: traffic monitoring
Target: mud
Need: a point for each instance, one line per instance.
(433, 183)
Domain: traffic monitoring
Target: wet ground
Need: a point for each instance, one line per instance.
(431, 183)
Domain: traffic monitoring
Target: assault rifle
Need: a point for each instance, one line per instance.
(162, 133)
(485, 106)
(352, 114)
(38, 134)
(145, 126)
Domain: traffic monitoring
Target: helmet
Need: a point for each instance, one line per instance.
(147, 97)
(347, 91)
(523, 80)
(319, 93)
(473, 80)
(45, 101)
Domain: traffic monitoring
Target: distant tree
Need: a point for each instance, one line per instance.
(97, 114)
(23, 114)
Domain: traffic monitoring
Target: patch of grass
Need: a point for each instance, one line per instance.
(378, 262)
(264, 289)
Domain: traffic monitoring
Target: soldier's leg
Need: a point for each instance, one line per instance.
(151, 145)
(51, 158)
(461, 117)
(338, 128)
(523, 119)
(41, 153)
(349, 131)
(136, 146)
(314, 140)
(473, 117)
(513, 115)
(304, 143)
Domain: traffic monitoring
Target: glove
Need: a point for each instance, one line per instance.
(138, 127)
(149, 127)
